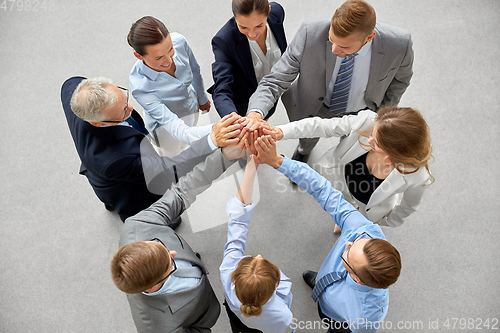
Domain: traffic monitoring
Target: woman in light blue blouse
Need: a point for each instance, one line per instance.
(167, 82)
(257, 293)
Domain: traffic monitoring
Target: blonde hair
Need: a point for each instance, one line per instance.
(139, 266)
(255, 280)
(404, 135)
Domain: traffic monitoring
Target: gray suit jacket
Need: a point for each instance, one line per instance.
(310, 55)
(194, 309)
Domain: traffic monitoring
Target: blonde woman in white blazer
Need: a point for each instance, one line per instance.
(398, 144)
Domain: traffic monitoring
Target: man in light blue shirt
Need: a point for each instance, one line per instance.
(351, 285)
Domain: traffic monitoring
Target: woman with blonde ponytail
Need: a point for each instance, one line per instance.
(257, 294)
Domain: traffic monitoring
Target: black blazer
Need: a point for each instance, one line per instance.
(112, 161)
(232, 71)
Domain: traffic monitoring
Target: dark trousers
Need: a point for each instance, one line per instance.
(334, 326)
(236, 325)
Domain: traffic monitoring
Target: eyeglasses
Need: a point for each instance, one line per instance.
(348, 248)
(126, 91)
(174, 268)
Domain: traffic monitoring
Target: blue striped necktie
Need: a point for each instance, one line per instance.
(340, 94)
(326, 281)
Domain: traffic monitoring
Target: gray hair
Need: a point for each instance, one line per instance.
(91, 97)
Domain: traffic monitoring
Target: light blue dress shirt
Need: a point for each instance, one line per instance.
(276, 315)
(346, 300)
(174, 283)
(165, 98)
(210, 142)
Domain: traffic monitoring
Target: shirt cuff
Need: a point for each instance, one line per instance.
(285, 165)
(203, 99)
(211, 144)
(238, 211)
(257, 110)
(284, 131)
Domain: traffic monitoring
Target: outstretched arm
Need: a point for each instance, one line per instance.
(316, 127)
(332, 201)
(240, 211)
(182, 194)
(245, 191)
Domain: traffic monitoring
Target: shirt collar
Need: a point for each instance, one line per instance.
(268, 37)
(150, 73)
(284, 286)
(366, 49)
(354, 285)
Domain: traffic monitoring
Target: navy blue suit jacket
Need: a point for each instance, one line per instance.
(112, 161)
(232, 71)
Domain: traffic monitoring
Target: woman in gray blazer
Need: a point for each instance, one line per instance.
(381, 167)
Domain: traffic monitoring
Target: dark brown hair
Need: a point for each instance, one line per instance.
(138, 266)
(383, 264)
(146, 31)
(255, 280)
(354, 16)
(247, 7)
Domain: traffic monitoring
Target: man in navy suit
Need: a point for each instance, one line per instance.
(117, 158)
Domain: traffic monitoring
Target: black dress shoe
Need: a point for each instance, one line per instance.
(175, 222)
(300, 157)
(109, 208)
(310, 278)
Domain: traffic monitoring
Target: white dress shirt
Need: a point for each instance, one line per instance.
(262, 63)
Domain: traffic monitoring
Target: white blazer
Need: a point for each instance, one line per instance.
(395, 199)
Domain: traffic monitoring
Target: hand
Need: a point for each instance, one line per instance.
(205, 107)
(266, 152)
(237, 149)
(275, 132)
(226, 130)
(250, 142)
(252, 121)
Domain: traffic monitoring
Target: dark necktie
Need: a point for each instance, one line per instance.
(326, 281)
(340, 94)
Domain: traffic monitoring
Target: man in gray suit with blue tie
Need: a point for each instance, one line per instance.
(346, 64)
(165, 281)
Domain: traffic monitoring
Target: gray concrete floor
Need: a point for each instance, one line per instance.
(57, 238)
